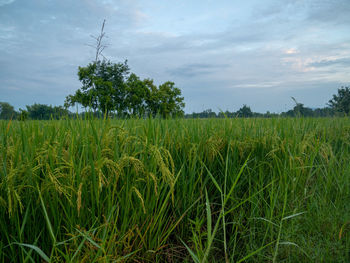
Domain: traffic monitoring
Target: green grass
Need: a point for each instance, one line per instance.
(232, 190)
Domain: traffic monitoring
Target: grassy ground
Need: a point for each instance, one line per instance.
(234, 190)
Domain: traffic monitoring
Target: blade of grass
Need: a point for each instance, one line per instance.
(36, 249)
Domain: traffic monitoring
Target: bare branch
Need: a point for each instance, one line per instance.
(99, 46)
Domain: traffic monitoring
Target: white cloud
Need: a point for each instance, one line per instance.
(6, 2)
(260, 53)
(291, 51)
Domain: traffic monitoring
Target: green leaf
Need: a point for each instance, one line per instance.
(36, 249)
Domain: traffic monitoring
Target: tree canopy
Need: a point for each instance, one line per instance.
(44, 112)
(103, 86)
(245, 112)
(7, 111)
(341, 101)
(108, 87)
(137, 95)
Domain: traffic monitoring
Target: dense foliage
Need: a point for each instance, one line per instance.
(45, 112)
(341, 101)
(103, 86)
(34, 112)
(108, 87)
(253, 190)
(7, 111)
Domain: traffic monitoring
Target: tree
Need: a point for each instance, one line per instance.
(165, 100)
(300, 110)
(7, 111)
(208, 113)
(103, 87)
(341, 101)
(245, 112)
(39, 111)
(44, 112)
(172, 103)
(107, 87)
(99, 46)
(323, 112)
(23, 115)
(153, 99)
(137, 92)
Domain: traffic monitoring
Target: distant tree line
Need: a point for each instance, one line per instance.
(246, 112)
(34, 112)
(339, 105)
(164, 105)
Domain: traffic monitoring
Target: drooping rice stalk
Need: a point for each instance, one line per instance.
(232, 190)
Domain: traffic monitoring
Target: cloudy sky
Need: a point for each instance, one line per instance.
(220, 53)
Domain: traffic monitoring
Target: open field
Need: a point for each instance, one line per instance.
(216, 190)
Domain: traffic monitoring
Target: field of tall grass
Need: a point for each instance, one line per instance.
(216, 190)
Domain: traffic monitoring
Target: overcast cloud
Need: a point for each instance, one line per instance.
(222, 54)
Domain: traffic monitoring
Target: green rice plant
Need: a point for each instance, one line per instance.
(181, 190)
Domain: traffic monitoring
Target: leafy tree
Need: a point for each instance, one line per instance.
(323, 112)
(170, 100)
(44, 112)
(23, 115)
(108, 87)
(245, 112)
(341, 101)
(103, 82)
(209, 113)
(300, 110)
(165, 100)
(103, 87)
(7, 111)
(137, 92)
(39, 111)
(59, 112)
(153, 98)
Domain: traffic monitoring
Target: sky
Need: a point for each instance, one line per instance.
(220, 53)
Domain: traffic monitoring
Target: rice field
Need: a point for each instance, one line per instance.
(213, 190)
